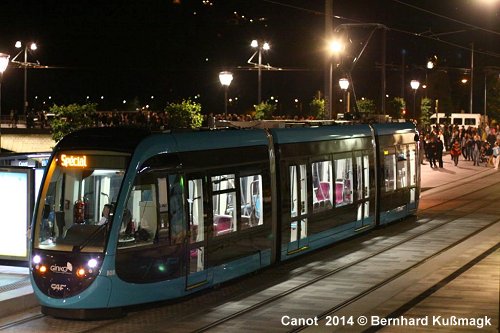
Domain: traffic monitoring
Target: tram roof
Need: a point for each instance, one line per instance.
(320, 133)
(394, 128)
(123, 139)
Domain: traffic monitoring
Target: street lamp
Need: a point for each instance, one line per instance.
(414, 85)
(344, 85)
(4, 62)
(25, 64)
(225, 79)
(260, 47)
(335, 47)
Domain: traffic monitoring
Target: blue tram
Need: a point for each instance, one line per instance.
(125, 216)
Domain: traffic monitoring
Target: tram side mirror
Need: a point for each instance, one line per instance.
(416, 138)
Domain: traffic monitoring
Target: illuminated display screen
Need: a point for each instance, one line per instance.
(14, 210)
(78, 161)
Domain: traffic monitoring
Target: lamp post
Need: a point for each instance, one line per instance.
(225, 79)
(260, 46)
(414, 85)
(4, 62)
(344, 85)
(25, 64)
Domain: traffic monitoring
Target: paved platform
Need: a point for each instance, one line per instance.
(16, 293)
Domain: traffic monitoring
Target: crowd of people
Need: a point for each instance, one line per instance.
(479, 145)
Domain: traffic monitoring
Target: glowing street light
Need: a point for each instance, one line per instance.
(335, 46)
(344, 85)
(225, 79)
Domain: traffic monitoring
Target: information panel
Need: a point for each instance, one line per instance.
(15, 211)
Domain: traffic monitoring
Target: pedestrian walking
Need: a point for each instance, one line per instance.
(439, 152)
(432, 151)
(496, 155)
(476, 150)
(455, 151)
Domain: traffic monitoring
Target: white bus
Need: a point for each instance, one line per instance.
(459, 119)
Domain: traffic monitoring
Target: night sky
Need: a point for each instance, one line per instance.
(174, 49)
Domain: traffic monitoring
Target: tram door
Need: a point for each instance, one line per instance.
(363, 191)
(298, 208)
(196, 274)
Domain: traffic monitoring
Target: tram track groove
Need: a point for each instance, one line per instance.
(21, 321)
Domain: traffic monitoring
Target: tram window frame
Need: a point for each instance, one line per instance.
(320, 201)
(227, 195)
(195, 197)
(142, 231)
(346, 182)
(401, 166)
(389, 164)
(257, 201)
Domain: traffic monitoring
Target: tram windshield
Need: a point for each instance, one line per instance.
(78, 199)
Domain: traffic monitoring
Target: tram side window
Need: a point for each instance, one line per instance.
(195, 206)
(343, 182)
(401, 171)
(140, 226)
(251, 201)
(322, 185)
(298, 190)
(176, 206)
(224, 204)
(390, 172)
(164, 227)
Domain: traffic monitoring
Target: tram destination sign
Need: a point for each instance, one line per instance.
(74, 161)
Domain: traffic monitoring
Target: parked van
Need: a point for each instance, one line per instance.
(459, 119)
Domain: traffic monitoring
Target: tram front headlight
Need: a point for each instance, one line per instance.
(92, 263)
(42, 269)
(37, 259)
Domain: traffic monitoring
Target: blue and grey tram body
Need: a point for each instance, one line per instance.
(194, 209)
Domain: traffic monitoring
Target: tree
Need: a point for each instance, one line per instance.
(366, 106)
(186, 114)
(425, 112)
(396, 106)
(317, 108)
(69, 118)
(264, 110)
